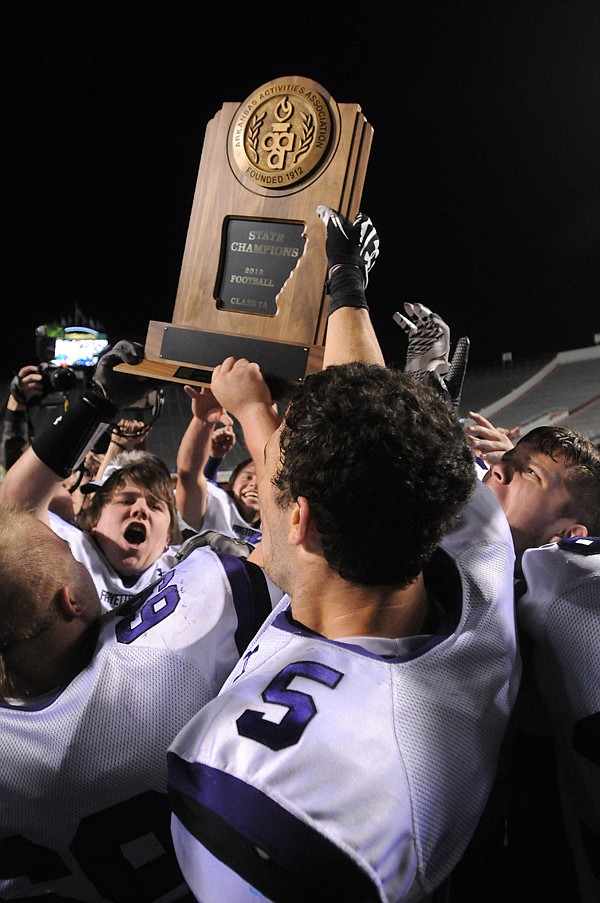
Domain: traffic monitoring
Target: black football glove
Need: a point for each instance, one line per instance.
(455, 376)
(355, 244)
(62, 446)
(121, 389)
(16, 390)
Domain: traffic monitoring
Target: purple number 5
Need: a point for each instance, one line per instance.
(301, 707)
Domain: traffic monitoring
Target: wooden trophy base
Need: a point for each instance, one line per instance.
(189, 356)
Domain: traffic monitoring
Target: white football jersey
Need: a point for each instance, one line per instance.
(222, 516)
(561, 613)
(481, 468)
(84, 813)
(112, 589)
(324, 771)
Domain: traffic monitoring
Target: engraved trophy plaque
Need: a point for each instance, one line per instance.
(252, 281)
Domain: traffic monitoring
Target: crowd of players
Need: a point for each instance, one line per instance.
(328, 682)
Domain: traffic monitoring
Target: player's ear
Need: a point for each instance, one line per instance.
(301, 519)
(67, 606)
(570, 531)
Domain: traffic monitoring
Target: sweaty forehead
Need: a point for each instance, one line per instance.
(552, 466)
(131, 487)
(128, 484)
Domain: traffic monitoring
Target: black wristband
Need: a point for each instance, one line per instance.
(211, 468)
(63, 445)
(346, 289)
(16, 390)
(17, 416)
(96, 397)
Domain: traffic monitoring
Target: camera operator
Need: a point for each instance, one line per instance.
(25, 388)
(32, 391)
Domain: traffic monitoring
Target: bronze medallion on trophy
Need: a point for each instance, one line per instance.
(280, 138)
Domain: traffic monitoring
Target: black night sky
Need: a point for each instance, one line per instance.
(483, 181)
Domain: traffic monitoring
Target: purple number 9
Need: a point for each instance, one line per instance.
(162, 601)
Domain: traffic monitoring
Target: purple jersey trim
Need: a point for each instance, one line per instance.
(581, 545)
(222, 813)
(250, 597)
(442, 578)
(283, 622)
(444, 629)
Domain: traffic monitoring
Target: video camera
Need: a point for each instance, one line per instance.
(65, 351)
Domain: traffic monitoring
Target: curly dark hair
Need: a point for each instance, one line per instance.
(581, 458)
(384, 465)
(146, 470)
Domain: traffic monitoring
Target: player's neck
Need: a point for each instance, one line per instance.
(339, 609)
(36, 666)
(250, 515)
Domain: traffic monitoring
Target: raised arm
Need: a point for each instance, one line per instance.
(222, 441)
(352, 249)
(241, 389)
(25, 387)
(190, 492)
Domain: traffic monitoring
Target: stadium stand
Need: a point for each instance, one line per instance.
(487, 383)
(565, 392)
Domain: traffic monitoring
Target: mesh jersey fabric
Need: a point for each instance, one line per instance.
(83, 805)
(386, 763)
(561, 612)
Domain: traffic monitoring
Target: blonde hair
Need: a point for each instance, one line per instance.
(34, 566)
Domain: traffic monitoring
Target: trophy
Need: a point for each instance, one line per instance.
(252, 281)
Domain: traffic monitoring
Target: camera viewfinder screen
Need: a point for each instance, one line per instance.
(78, 352)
